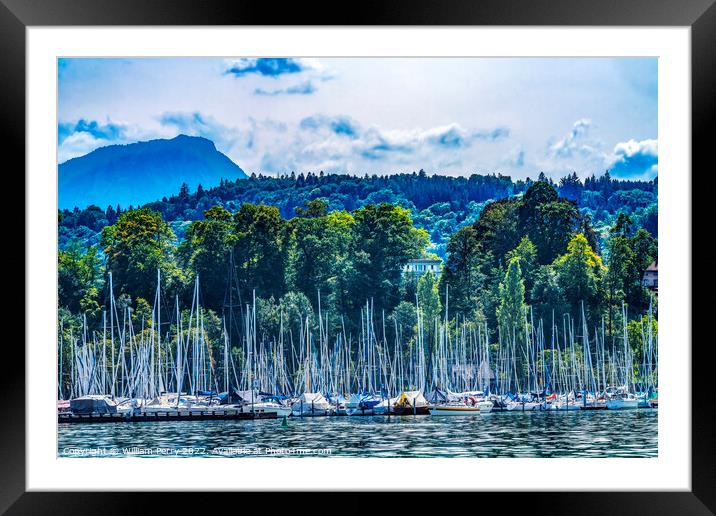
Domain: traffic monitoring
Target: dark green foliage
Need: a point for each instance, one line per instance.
(464, 270)
(547, 220)
(260, 249)
(205, 252)
(135, 247)
(383, 239)
(322, 233)
(78, 277)
(439, 204)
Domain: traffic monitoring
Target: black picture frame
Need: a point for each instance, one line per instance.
(700, 15)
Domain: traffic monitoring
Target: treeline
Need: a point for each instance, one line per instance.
(439, 204)
(536, 254)
(540, 252)
(347, 257)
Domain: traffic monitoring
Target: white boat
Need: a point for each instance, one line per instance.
(362, 404)
(485, 406)
(565, 405)
(565, 402)
(266, 407)
(626, 403)
(311, 404)
(170, 403)
(523, 406)
(621, 399)
(455, 409)
(253, 401)
(384, 407)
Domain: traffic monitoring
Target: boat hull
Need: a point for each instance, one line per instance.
(454, 411)
(620, 404)
(409, 411)
(528, 406)
(485, 406)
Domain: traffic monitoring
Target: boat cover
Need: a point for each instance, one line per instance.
(245, 396)
(312, 397)
(410, 399)
(89, 404)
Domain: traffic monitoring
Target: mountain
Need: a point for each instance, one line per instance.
(141, 172)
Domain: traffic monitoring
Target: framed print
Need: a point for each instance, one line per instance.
(418, 250)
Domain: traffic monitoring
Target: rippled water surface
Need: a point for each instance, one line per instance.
(499, 434)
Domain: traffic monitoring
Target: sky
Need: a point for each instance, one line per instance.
(452, 116)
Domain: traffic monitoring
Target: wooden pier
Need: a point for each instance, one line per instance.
(181, 415)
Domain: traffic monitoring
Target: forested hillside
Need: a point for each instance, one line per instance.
(296, 241)
(439, 204)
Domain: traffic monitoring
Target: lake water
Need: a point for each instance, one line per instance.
(603, 433)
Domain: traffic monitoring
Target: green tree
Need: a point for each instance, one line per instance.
(78, 276)
(511, 310)
(622, 226)
(497, 230)
(138, 244)
(580, 273)
(638, 335)
(384, 239)
(462, 273)
(319, 246)
(547, 220)
(205, 251)
(526, 254)
(429, 302)
(405, 318)
(646, 251)
(547, 297)
(618, 276)
(260, 250)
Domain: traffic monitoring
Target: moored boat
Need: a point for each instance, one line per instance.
(362, 404)
(410, 402)
(454, 409)
(623, 401)
(311, 404)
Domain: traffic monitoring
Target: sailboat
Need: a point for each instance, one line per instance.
(459, 404)
(622, 399)
(410, 402)
(311, 404)
(361, 404)
(255, 402)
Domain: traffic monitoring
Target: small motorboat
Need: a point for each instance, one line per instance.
(455, 409)
(623, 401)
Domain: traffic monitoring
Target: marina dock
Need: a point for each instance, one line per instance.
(141, 416)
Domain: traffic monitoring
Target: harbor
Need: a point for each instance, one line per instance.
(544, 434)
(464, 377)
(303, 276)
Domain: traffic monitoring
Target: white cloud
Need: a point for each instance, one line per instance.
(635, 158)
(78, 144)
(567, 146)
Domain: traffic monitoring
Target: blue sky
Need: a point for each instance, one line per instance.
(455, 116)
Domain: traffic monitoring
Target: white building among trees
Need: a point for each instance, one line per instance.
(420, 266)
